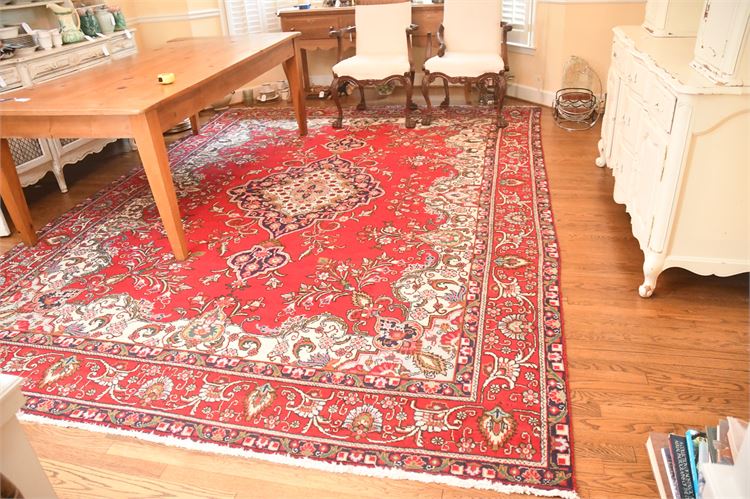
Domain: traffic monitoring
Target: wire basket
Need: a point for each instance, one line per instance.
(578, 105)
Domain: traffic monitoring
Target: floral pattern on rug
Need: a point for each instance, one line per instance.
(371, 296)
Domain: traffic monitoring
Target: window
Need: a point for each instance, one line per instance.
(257, 16)
(253, 16)
(520, 13)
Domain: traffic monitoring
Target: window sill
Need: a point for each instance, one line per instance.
(521, 49)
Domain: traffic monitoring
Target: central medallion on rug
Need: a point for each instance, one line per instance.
(371, 297)
(299, 197)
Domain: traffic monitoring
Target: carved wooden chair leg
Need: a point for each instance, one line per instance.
(338, 122)
(413, 105)
(362, 104)
(410, 123)
(447, 101)
(500, 90)
(427, 115)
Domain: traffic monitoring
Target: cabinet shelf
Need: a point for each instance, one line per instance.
(39, 54)
(28, 5)
(92, 6)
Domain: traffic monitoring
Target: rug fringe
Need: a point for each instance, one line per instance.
(301, 461)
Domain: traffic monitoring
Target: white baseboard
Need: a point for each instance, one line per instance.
(531, 94)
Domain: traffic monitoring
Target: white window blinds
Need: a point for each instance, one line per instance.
(257, 16)
(520, 13)
(253, 16)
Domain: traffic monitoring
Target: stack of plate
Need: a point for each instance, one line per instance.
(23, 45)
(20, 41)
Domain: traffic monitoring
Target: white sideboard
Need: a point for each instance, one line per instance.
(36, 157)
(678, 145)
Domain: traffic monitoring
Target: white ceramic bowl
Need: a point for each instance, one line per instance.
(8, 32)
(45, 44)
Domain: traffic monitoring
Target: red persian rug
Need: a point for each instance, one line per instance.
(373, 299)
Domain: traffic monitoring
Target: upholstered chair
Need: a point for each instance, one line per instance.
(473, 50)
(383, 52)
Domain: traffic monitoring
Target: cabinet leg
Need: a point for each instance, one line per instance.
(653, 265)
(58, 173)
(600, 161)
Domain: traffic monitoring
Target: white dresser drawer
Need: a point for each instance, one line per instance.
(53, 67)
(10, 78)
(660, 104)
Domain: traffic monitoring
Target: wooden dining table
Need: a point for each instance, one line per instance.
(123, 99)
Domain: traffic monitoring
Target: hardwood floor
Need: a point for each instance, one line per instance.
(677, 360)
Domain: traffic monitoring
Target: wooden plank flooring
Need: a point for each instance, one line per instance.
(677, 360)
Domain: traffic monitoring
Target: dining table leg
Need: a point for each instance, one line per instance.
(147, 133)
(292, 71)
(12, 194)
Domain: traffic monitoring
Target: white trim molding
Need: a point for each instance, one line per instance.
(191, 15)
(531, 94)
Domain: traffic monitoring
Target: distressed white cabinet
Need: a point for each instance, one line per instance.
(677, 144)
(672, 17)
(721, 47)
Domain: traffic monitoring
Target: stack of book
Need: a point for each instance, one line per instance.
(679, 462)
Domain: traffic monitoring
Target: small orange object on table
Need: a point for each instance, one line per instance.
(123, 99)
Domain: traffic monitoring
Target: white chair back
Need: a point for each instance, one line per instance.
(381, 28)
(472, 25)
